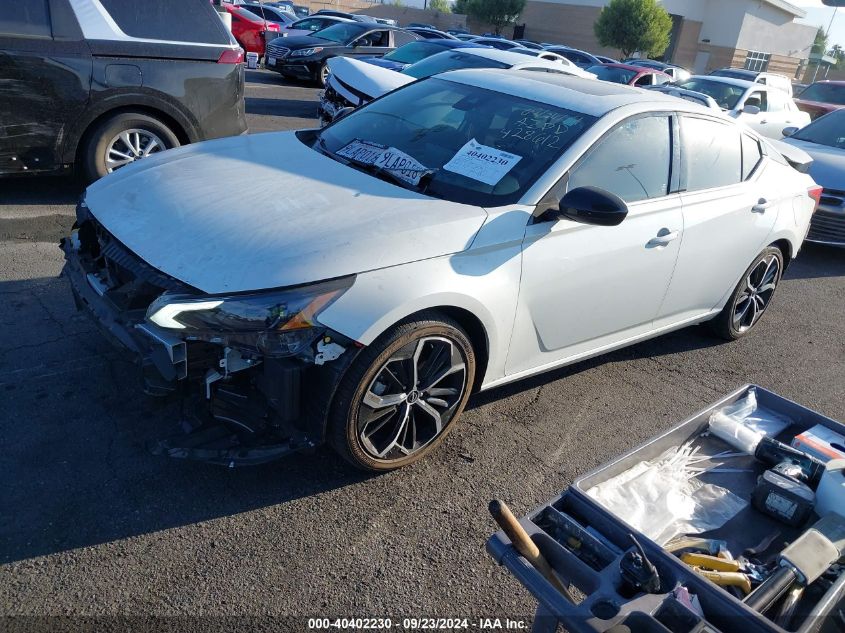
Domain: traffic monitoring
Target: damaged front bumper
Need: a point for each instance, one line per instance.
(243, 407)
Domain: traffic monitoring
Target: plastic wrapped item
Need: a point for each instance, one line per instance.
(743, 424)
(662, 498)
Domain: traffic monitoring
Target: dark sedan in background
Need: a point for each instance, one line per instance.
(824, 140)
(305, 57)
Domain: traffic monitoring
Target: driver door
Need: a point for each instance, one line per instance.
(585, 288)
(372, 44)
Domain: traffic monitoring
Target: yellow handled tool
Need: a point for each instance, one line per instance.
(705, 561)
(726, 578)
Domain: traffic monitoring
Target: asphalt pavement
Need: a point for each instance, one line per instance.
(93, 525)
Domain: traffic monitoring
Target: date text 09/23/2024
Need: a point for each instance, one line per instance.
(418, 624)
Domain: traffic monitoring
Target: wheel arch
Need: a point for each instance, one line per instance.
(786, 250)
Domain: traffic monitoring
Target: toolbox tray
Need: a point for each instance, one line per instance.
(605, 603)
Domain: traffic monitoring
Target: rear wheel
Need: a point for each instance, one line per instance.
(751, 297)
(123, 139)
(403, 394)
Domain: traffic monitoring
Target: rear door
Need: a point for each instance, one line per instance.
(728, 215)
(45, 80)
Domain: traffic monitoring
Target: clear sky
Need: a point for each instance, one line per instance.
(820, 15)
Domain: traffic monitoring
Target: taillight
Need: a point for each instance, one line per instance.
(815, 192)
(235, 56)
(272, 26)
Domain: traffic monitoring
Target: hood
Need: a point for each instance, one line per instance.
(385, 63)
(360, 82)
(266, 211)
(828, 167)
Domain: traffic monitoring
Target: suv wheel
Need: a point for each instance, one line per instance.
(403, 394)
(751, 296)
(123, 139)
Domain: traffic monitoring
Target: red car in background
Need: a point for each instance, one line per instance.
(640, 76)
(249, 29)
(821, 97)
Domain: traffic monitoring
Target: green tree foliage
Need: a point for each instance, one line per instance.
(439, 5)
(820, 43)
(634, 25)
(498, 13)
(460, 6)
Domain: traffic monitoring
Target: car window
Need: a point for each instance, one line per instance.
(751, 155)
(183, 21)
(725, 95)
(450, 60)
(342, 32)
(824, 93)
(29, 18)
(472, 145)
(645, 80)
(632, 161)
(612, 73)
(413, 52)
(400, 38)
(828, 130)
(758, 98)
(712, 153)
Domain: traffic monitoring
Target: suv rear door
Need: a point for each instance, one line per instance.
(45, 82)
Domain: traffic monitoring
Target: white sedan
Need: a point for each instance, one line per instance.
(765, 109)
(460, 233)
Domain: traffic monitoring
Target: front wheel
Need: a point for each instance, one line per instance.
(322, 75)
(403, 394)
(751, 296)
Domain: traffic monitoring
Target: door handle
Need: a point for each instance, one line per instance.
(761, 206)
(763, 122)
(664, 237)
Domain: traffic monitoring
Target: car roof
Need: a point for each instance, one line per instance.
(634, 68)
(742, 83)
(738, 71)
(506, 57)
(588, 96)
(451, 43)
(834, 82)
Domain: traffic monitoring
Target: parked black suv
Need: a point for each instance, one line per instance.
(305, 57)
(102, 83)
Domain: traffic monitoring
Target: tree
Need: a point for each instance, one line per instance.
(634, 25)
(498, 13)
(460, 6)
(440, 5)
(820, 43)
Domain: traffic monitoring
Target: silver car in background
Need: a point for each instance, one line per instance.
(824, 140)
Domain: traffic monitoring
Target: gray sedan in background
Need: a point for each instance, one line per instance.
(824, 140)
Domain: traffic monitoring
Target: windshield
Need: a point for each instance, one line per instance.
(736, 74)
(450, 60)
(611, 73)
(413, 52)
(828, 130)
(342, 32)
(824, 93)
(725, 95)
(456, 142)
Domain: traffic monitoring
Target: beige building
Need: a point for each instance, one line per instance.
(706, 34)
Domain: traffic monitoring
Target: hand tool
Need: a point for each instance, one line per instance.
(525, 546)
(637, 570)
(713, 563)
(802, 562)
(726, 578)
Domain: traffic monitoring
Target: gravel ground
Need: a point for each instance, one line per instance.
(93, 525)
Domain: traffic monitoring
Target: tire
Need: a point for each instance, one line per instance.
(321, 75)
(141, 131)
(751, 297)
(375, 441)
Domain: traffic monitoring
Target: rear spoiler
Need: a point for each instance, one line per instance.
(797, 158)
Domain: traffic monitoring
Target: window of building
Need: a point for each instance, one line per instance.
(632, 161)
(757, 61)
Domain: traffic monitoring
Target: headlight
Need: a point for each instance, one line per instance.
(279, 323)
(306, 52)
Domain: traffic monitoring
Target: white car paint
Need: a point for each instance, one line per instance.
(546, 293)
(769, 122)
(375, 81)
(330, 220)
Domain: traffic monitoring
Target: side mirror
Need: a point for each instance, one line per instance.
(590, 205)
(789, 131)
(751, 109)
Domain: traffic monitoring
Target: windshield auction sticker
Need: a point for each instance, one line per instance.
(482, 162)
